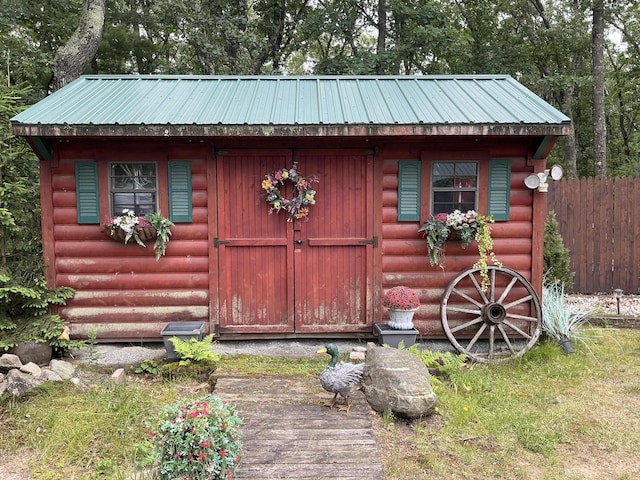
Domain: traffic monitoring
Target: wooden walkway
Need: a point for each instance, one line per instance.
(289, 434)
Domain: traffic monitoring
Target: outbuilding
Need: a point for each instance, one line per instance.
(198, 149)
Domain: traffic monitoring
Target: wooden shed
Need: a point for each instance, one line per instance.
(197, 148)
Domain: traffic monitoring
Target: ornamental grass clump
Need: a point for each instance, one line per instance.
(560, 321)
(197, 439)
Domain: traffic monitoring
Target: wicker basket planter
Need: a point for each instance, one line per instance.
(117, 234)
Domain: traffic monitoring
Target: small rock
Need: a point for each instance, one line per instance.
(9, 361)
(48, 374)
(75, 381)
(359, 349)
(2, 377)
(62, 368)
(118, 377)
(32, 369)
(357, 356)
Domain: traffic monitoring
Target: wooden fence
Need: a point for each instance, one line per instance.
(599, 220)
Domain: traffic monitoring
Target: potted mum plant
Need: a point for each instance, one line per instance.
(197, 438)
(141, 229)
(465, 227)
(401, 303)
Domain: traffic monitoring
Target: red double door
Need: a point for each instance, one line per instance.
(310, 276)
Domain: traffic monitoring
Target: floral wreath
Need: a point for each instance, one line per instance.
(304, 196)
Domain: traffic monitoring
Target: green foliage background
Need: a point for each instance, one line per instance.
(544, 45)
(24, 297)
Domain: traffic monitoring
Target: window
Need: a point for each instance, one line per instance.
(133, 186)
(454, 186)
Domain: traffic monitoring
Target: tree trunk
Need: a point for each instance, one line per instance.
(569, 143)
(381, 46)
(77, 53)
(597, 68)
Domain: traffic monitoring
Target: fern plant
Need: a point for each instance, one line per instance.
(443, 366)
(193, 350)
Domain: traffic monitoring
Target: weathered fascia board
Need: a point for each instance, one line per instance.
(466, 130)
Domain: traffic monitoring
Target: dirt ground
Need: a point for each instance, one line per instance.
(16, 467)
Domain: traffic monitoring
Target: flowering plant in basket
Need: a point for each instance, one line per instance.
(401, 298)
(466, 227)
(154, 226)
(197, 439)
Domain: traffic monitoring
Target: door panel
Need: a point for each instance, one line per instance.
(254, 248)
(333, 264)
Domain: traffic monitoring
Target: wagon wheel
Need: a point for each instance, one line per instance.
(495, 326)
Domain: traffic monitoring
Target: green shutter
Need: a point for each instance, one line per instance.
(87, 195)
(180, 192)
(499, 189)
(409, 191)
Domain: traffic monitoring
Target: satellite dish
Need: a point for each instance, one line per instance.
(532, 181)
(556, 172)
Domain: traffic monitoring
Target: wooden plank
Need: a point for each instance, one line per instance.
(633, 236)
(602, 234)
(287, 433)
(622, 244)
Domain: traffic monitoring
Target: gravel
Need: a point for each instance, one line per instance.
(122, 355)
(606, 305)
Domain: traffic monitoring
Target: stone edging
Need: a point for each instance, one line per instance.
(615, 321)
(16, 377)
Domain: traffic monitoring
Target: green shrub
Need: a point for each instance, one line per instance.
(557, 262)
(442, 366)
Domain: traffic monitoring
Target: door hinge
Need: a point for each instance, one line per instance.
(372, 241)
(217, 242)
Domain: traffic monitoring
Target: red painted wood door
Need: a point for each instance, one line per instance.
(310, 276)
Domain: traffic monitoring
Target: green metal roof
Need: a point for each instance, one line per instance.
(285, 105)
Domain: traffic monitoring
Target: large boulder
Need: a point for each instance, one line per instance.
(18, 382)
(36, 352)
(398, 381)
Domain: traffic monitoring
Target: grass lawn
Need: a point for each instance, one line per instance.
(546, 416)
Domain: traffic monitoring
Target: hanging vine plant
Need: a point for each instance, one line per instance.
(297, 207)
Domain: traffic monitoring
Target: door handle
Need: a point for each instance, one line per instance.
(299, 242)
